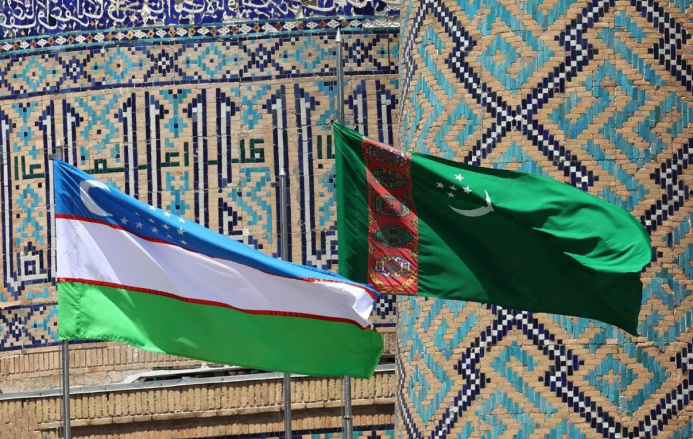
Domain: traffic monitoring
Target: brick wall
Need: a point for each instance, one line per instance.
(203, 409)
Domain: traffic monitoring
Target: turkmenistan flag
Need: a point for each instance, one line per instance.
(416, 224)
(133, 273)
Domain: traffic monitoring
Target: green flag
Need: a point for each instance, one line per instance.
(415, 224)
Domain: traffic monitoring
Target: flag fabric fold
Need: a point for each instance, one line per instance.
(134, 273)
(410, 223)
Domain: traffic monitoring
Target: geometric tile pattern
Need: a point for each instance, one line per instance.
(28, 326)
(190, 61)
(32, 40)
(199, 128)
(595, 93)
(516, 374)
(31, 17)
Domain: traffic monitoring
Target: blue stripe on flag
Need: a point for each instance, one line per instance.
(97, 201)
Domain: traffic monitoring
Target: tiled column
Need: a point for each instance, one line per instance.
(597, 94)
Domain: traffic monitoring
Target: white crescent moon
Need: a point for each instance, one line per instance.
(89, 203)
(479, 211)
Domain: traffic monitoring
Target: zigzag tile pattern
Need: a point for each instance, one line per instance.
(594, 93)
(26, 18)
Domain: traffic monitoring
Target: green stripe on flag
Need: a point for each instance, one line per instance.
(352, 207)
(216, 334)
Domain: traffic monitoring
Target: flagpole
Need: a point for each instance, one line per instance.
(65, 351)
(284, 225)
(64, 345)
(348, 430)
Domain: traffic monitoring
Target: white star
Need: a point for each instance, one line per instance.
(167, 214)
(440, 185)
(155, 230)
(152, 208)
(459, 177)
(139, 225)
(166, 226)
(169, 236)
(151, 220)
(124, 220)
(451, 195)
(467, 189)
(181, 231)
(181, 220)
(453, 187)
(183, 242)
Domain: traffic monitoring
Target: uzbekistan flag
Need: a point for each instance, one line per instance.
(132, 273)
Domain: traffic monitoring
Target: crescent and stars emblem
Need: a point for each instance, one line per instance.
(159, 226)
(479, 211)
(471, 213)
(88, 201)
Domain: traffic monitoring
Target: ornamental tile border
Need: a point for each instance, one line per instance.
(216, 31)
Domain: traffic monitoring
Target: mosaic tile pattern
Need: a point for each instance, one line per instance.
(277, 28)
(21, 18)
(217, 61)
(595, 93)
(199, 128)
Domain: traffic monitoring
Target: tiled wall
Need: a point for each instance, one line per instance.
(76, 20)
(596, 93)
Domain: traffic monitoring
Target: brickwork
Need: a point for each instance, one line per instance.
(597, 94)
(93, 364)
(228, 409)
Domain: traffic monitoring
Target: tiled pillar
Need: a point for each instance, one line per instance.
(598, 94)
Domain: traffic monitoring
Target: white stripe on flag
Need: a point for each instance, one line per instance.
(99, 253)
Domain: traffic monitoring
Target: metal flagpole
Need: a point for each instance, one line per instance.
(284, 224)
(64, 346)
(65, 351)
(348, 430)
